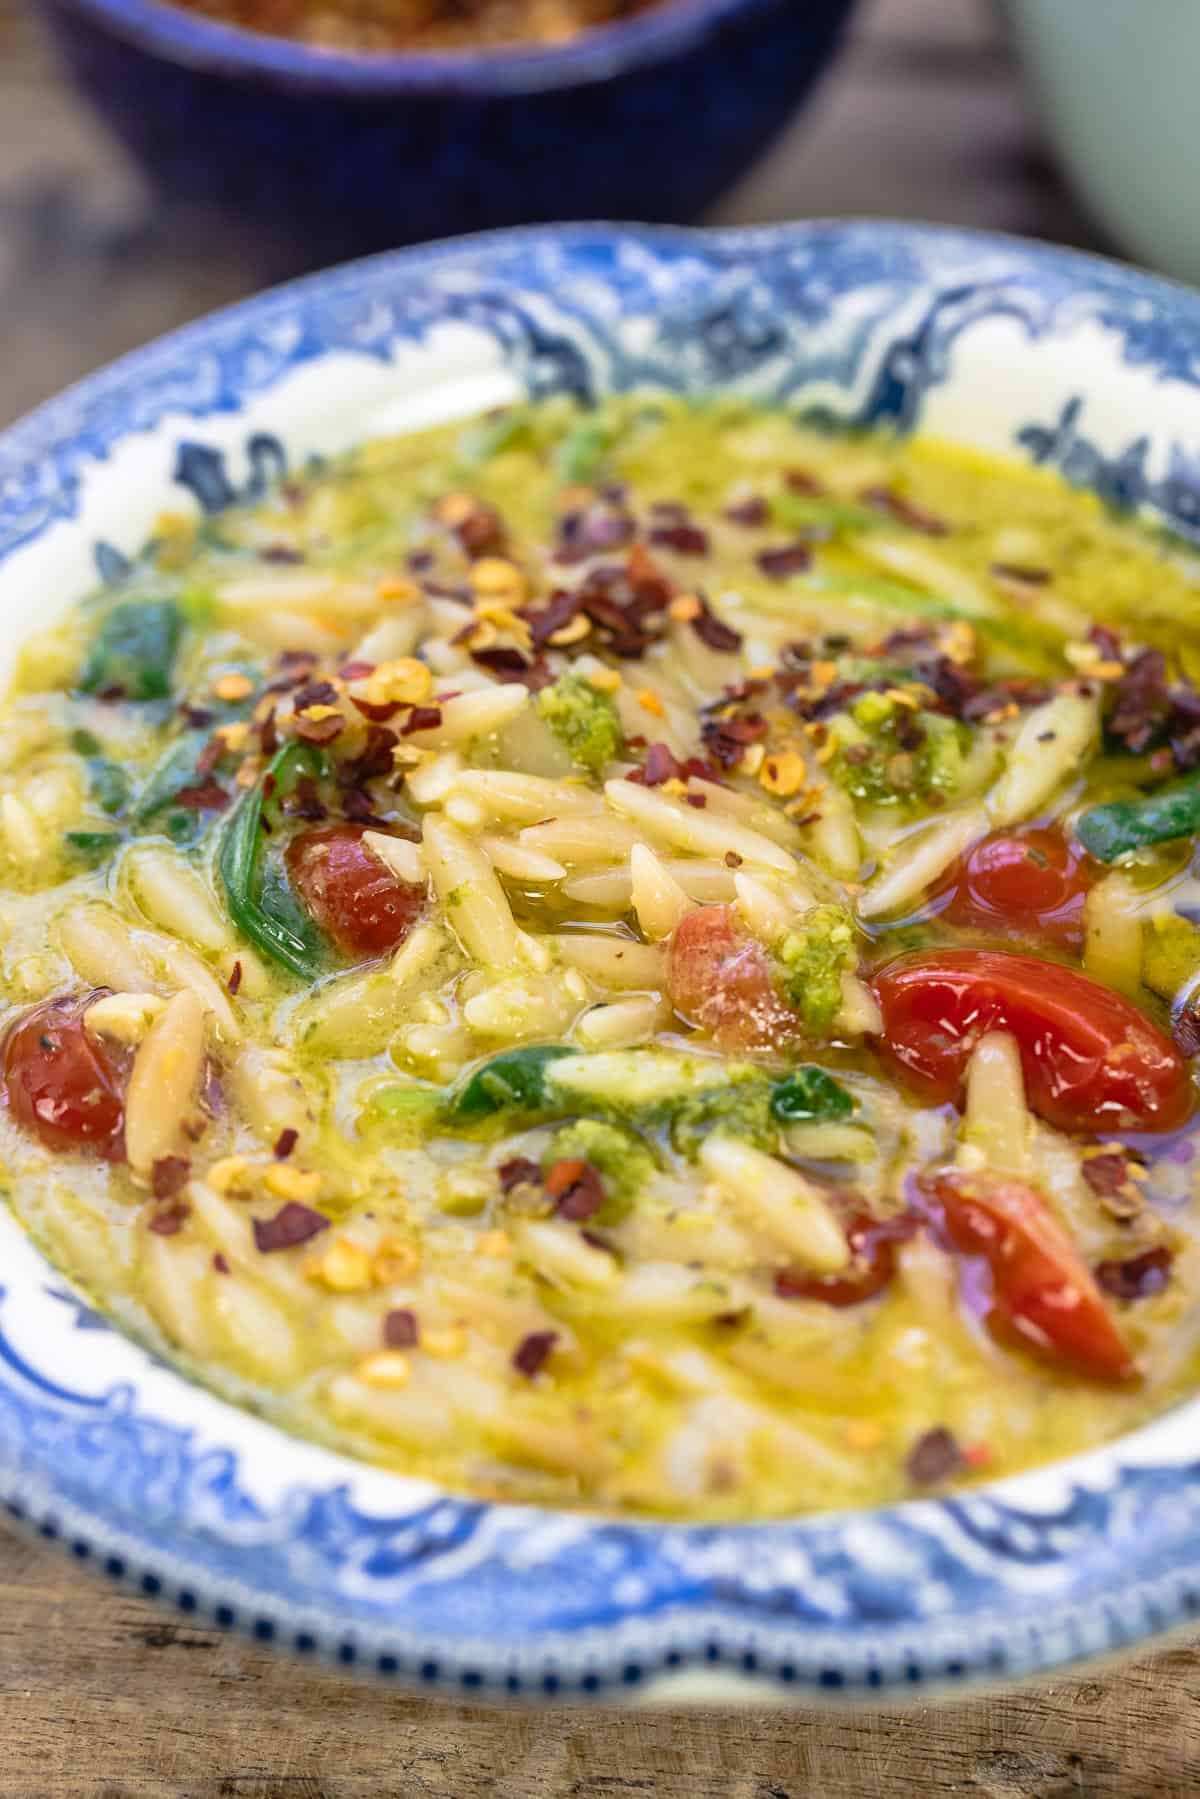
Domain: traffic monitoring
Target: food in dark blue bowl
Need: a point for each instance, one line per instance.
(340, 152)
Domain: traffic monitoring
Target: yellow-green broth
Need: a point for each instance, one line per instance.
(641, 1358)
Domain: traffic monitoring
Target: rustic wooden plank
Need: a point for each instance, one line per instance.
(104, 1697)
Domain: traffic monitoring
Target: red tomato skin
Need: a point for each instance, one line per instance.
(719, 979)
(61, 1084)
(1030, 881)
(873, 1243)
(1043, 1295)
(1092, 1060)
(351, 894)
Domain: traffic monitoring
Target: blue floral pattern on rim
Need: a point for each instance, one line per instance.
(861, 321)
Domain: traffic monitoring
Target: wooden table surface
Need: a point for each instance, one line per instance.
(103, 1697)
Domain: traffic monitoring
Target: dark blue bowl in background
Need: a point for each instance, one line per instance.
(336, 154)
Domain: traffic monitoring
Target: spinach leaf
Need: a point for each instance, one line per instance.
(808, 1094)
(263, 908)
(134, 650)
(1126, 825)
(514, 1081)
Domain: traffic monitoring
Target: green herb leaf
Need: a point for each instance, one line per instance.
(1122, 826)
(809, 1093)
(582, 451)
(95, 845)
(174, 770)
(134, 650)
(514, 1081)
(264, 910)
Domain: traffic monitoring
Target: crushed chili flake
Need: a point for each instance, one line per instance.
(220, 1262)
(501, 659)
(1139, 1277)
(356, 671)
(203, 796)
(904, 511)
(285, 1143)
(168, 1220)
(1106, 1174)
(421, 718)
(934, 1457)
(533, 1351)
(373, 760)
(400, 1329)
(517, 1171)
(268, 735)
(576, 1188)
(699, 800)
(293, 1224)
(304, 801)
(168, 1175)
(799, 480)
(210, 755)
(732, 859)
(784, 560)
(714, 631)
(751, 513)
(680, 535)
(314, 693)
(318, 730)
(1015, 571)
(235, 977)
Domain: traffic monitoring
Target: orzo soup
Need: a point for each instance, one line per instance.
(639, 957)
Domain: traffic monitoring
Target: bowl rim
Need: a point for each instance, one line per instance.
(665, 32)
(1122, 1520)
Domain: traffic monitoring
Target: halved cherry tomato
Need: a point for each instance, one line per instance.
(1042, 1293)
(62, 1084)
(1092, 1060)
(872, 1244)
(719, 978)
(1029, 880)
(352, 895)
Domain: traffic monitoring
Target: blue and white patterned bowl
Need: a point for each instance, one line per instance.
(1071, 362)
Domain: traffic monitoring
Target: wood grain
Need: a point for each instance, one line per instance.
(103, 1697)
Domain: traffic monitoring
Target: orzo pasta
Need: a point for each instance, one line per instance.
(642, 957)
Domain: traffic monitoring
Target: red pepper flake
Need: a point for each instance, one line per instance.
(235, 978)
(680, 535)
(209, 756)
(400, 1329)
(1106, 1174)
(905, 512)
(169, 1219)
(285, 1143)
(168, 1175)
(221, 1262)
(1141, 1277)
(699, 800)
(751, 513)
(314, 693)
(576, 1188)
(934, 1457)
(533, 1351)
(1013, 571)
(204, 796)
(318, 730)
(732, 859)
(356, 671)
(519, 1171)
(421, 718)
(304, 801)
(714, 631)
(799, 480)
(872, 1243)
(268, 735)
(502, 659)
(787, 559)
(292, 1225)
